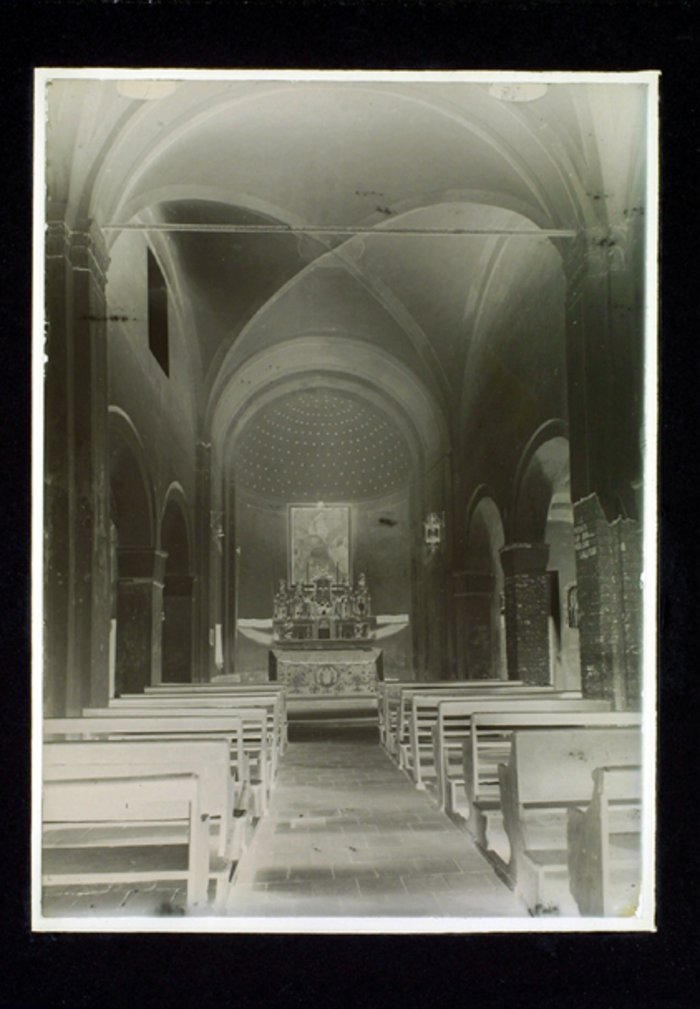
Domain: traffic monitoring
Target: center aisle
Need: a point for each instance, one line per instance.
(348, 835)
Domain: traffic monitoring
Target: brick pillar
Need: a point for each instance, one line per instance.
(139, 618)
(609, 568)
(526, 587)
(474, 601)
(177, 628)
(77, 556)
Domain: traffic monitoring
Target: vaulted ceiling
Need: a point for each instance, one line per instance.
(376, 211)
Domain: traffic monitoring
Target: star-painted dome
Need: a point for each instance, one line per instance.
(319, 444)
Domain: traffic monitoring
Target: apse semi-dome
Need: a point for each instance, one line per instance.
(319, 444)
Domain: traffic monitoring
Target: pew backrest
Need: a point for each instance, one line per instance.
(548, 773)
(155, 702)
(253, 719)
(393, 720)
(252, 727)
(486, 729)
(413, 698)
(556, 765)
(451, 715)
(216, 689)
(208, 759)
(223, 726)
(216, 685)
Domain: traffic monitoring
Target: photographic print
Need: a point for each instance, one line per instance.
(345, 501)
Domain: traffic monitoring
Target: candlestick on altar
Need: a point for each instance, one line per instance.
(337, 573)
(307, 571)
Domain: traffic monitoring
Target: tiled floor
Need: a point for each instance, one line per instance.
(347, 834)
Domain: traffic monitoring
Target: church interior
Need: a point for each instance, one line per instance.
(344, 442)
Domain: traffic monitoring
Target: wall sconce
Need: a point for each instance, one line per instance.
(434, 527)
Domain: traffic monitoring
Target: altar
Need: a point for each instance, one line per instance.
(326, 670)
(323, 609)
(323, 625)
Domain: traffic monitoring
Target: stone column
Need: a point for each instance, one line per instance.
(230, 578)
(474, 599)
(448, 552)
(177, 628)
(435, 572)
(526, 587)
(139, 618)
(418, 590)
(77, 559)
(203, 650)
(604, 326)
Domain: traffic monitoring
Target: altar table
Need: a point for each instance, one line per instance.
(330, 671)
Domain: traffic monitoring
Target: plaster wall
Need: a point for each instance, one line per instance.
(515, 377)
(161, 407)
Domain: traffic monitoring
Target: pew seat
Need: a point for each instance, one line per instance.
(548, 773)
(105, 830)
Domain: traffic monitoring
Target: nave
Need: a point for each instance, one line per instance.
(346, 834)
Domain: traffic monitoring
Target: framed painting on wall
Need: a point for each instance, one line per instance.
(319, 542)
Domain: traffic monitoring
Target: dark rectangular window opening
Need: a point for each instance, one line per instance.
(158, 314)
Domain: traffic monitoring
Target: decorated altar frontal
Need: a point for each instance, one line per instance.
(327, 672)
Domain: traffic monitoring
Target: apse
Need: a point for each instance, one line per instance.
(310, 446)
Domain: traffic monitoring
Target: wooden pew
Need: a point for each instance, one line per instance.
(417, 753)
(454, 729)
(102, 817)
(261, 752)
(277, 730)
(224, 689)
(407, 709)
(604, 844)
(468, 688)
(549, 772)
(212, 725)
(390, 707)
(208, 759)
(488, 743)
